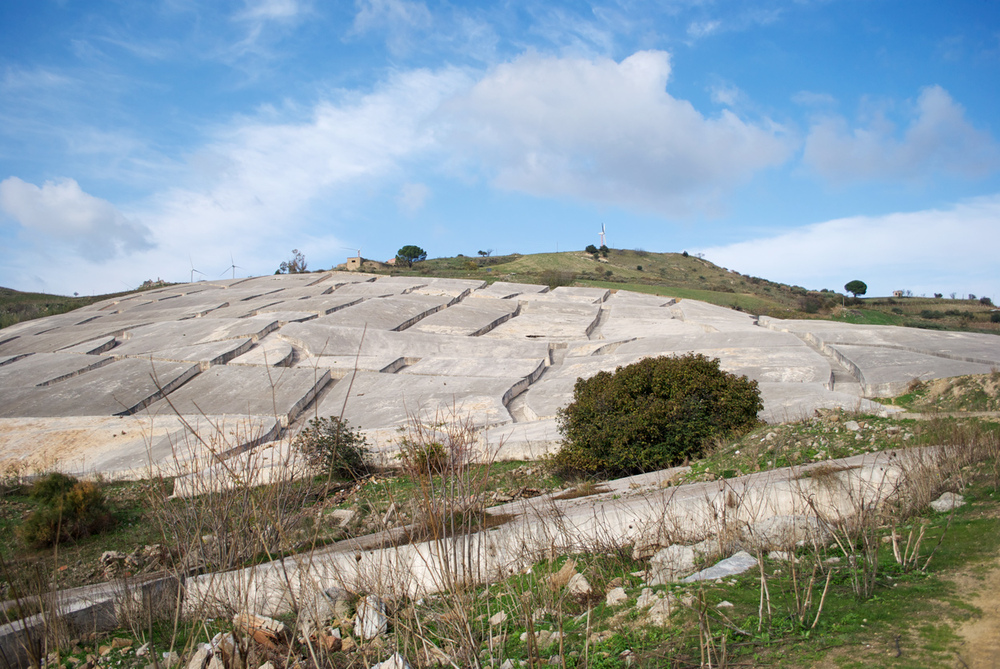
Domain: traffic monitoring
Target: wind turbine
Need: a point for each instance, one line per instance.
(193, 270)
(347, 248)
(233, 266)
(602, 235)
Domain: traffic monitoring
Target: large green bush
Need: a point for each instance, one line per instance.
(333, 448)
(653, 414)
(69, 509)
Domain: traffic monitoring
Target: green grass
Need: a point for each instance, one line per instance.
(16, 306)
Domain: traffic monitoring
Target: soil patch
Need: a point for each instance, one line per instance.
(980, 646)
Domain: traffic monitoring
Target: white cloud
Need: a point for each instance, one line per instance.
(264, 21)
(412, 197)
(281, 10)
(924, 251)
(606, 132)
(391, 14)
(267, 179)
(725, 94)
(61, 214)
(938, 139)
(398, 18)
(698, 29)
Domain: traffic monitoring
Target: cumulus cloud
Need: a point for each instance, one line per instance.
(938, 139)
(608, 132)
(936, 250)
(60, 213)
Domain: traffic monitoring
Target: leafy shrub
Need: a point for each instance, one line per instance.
(50, 489)
(70, 509)
(333, 448)
(995, 317)
(423, 459)
(810, 304)
(653, 414)
(555, 278)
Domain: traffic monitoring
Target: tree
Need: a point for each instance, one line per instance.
(486, 253)
(294, 265)
(591, 249)
(856, 287)
(604, 250)
(410, 254)
(653, 414)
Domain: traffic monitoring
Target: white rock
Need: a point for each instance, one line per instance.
(397, 661)
(852, 425)
(724, 604)
(615, 597)
(731, 566)
(579, 586)
(947, 502)
(370, 620)
(645, 598)
(200, 658)
(671, 563)
(659, 613)
(498, 618)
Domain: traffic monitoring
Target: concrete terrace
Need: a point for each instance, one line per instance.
(118, 386)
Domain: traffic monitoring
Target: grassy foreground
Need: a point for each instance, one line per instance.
(856, 599)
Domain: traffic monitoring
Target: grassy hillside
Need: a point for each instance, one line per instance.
(689, 277)
(16, 306)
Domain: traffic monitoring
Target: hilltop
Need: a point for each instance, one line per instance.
(687, 276)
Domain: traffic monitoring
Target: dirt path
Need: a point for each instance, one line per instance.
(980, 647)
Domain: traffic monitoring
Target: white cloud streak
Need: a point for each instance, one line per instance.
(606, 132)
(412, 197)
(936, 250)
(939, 139)
(59, 213)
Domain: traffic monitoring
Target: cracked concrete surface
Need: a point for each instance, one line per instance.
(386, 351)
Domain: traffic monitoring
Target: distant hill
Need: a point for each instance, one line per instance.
(670, 274)
(16, 306)
(687, 276)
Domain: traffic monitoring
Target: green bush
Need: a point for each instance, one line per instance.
(653, 414)
(70, 510)
(332, 447)
(424, 459)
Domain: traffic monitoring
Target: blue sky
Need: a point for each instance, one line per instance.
(809, 142)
